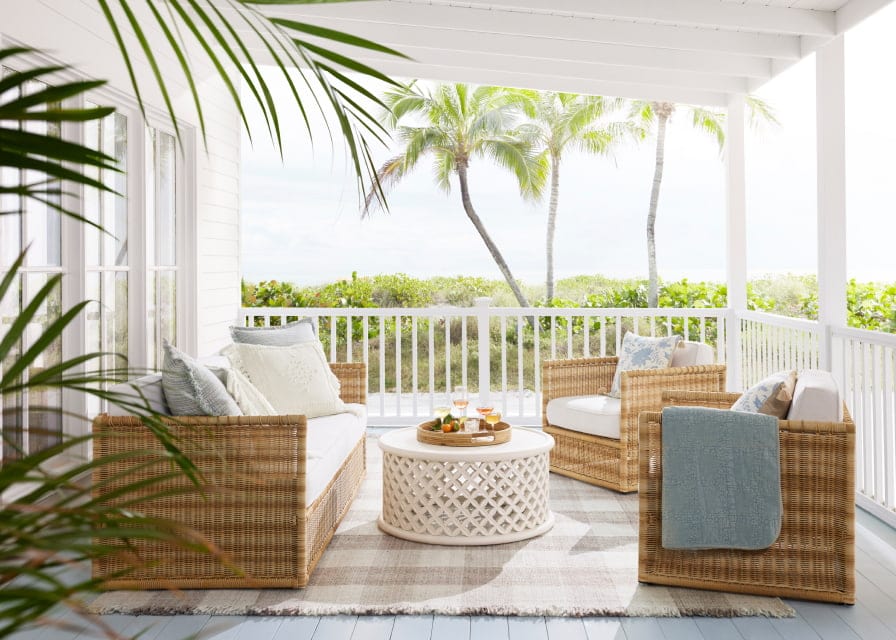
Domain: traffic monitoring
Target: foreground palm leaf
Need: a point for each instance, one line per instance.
(226, 31)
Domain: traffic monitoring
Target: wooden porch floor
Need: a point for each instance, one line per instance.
(873, 617)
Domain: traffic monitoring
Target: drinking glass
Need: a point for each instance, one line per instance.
(441, 408)
(491, 420)
(483, 408)
(460, 400)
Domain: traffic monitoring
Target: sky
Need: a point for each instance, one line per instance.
(301, 221)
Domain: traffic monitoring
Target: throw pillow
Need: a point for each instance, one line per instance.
(640, 352)
(191, 389)
(770, 396)
(283, 336)
(250, 400)
(295, 379)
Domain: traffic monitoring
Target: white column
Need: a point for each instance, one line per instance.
(830, 108)
(736, 231)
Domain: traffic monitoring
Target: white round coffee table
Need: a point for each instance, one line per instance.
(465, 495)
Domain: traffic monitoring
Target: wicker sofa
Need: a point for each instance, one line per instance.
(256, 472)
(606, 461)
(814, 555)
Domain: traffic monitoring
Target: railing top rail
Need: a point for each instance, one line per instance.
(865, 335)
(495, 311)
(780, 321)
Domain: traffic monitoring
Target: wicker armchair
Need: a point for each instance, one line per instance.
(605, 461)
(253, 510)
(813, 557)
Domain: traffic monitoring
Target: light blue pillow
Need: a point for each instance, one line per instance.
(282, 336)
(640, 352)
(771, 396)
(191, 389)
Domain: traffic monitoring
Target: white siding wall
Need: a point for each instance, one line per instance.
(75, 32)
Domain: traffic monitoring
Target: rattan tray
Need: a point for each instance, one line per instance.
(426, 435)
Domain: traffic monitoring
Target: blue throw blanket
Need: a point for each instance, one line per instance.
(721, 479)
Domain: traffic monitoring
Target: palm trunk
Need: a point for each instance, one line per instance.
(552, 227)
(487, 239)
(653, 280)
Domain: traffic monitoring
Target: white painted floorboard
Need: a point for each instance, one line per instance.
(873, 618)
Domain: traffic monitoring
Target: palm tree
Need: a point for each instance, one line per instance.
(706, 120)
(461, 123)
(571, 122)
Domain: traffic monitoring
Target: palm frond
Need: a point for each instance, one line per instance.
(710, 122)
(759, 112)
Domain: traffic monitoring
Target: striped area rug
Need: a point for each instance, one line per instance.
(586, 565)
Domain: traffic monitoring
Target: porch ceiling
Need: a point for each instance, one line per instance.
(696, 51)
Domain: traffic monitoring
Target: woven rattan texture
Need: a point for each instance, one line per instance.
(814, 556)
(605, 461)
(251, 504)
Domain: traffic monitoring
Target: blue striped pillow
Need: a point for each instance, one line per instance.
(191, 389)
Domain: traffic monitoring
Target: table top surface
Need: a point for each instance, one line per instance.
(523, 443)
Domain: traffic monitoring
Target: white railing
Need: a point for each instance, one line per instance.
(770, 343)
(412, 369)
(865, 364)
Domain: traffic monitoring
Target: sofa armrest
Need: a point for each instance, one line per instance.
(709, 399)
(353, 381)
(575, 377)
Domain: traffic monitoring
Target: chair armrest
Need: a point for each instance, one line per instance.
(575, 377)
(709, 399)
(352, 380)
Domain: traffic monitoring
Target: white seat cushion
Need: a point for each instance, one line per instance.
(692, 354)
(594, 415)
(330, 440)
(816, 398)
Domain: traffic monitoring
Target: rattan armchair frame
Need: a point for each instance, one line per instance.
(608, 462)
(813, 557)
(250, 506)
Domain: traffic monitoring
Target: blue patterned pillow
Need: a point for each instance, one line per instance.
(282, 336)
(771, 396)
(639, 352)
(191, 389)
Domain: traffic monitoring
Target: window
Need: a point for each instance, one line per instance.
(162, 169)
(106, 254)
(30, 421)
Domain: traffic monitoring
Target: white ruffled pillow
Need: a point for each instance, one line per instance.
(295, 380)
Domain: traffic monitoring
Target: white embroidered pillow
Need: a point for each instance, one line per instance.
(294, 379)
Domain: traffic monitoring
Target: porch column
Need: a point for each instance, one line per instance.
(830, 108)
(736, 253)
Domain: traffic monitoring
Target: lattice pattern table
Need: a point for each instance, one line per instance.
(465, 495)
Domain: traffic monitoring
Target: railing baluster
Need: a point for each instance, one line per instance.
(447, 354)
(876, 422)
(553, 337)
(652, 326)
(503, 364)
(603, 336)
(349, 337)
(432, 363)
(333, 338)
(414, 388)
(618, 334)
(586, 329)
(889, 413)
(382, 365)
(365, 333)
(569, 326)
(463, 351)
(702, 328)
(519, 362)
(397, 365)
(536, 365)
(867, 419)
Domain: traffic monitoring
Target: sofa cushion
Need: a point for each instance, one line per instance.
(282, 336)
(295, 379)
(150, 387)
(330, 440)
(770, 396)
(594, 415)
(816, 397)
(692, 354)
(641, 352)
(191, 389)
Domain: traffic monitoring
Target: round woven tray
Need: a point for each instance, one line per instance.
(461, 439)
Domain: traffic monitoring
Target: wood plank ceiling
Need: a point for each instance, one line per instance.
(694, 51)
